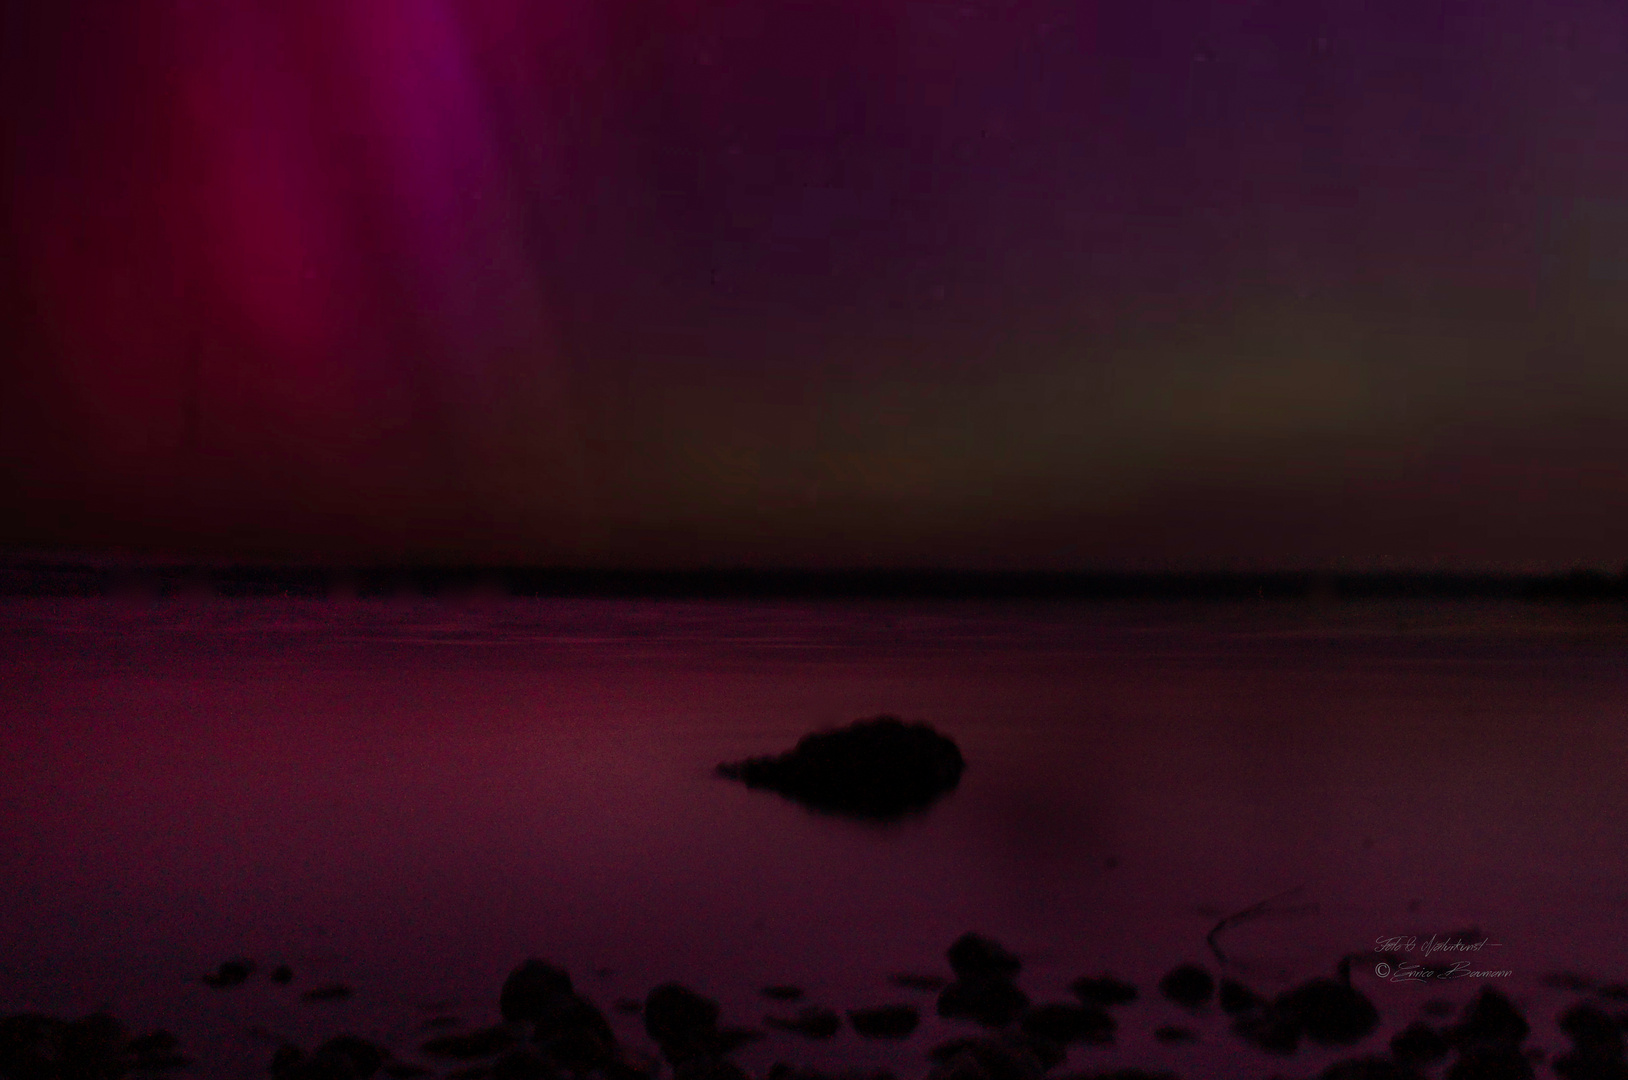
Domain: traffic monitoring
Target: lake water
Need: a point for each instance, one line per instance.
(413, 796)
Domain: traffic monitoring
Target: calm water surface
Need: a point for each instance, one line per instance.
(413, 796)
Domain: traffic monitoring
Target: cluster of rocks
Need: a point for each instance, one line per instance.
(232, 973)
(549, 1031)
(95, 1047)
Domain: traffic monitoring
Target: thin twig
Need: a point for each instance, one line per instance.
(1254, 911)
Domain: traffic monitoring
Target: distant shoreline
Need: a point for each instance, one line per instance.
(47, 576)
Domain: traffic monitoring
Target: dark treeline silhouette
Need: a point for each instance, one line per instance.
(45, 576)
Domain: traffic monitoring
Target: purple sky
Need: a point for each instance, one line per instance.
(673, 282)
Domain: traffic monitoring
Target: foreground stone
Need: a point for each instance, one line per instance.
(567, 1027)
(32, 1045)
(880, 768)
(1008, 1056)
(812, 1022)
(885, 1022)
(230, 973)
(1066, 1024)
(1189, 986)
(343, 1057)
(1103, 990)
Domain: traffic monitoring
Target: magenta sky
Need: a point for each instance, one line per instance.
(667, 282)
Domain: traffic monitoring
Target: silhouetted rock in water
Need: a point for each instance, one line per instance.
(157, 1050)
(282, 975)
(685, 1025)
(1369, 1068)
(569, 1028)
(343, 1057)
(812, 1022)
(1188, 985)
(1174, 1034)
(1597, 1046)
(1329, 1011)
(1269, 1030)
(1121, 1074)
(536, 991)
(487, 1042)
(1614, 991)
(992, 1002)
(974, 956)
(230, 973)
(783, 992)
(405, 1070)
(36, 1046)
(1489, 1020)
(708, 1067)
(919, 982)
(983, 990)
(733, 1038)
(1579, 1066)
(879, 768)
(780, 1070)
(1235, 998)
(1491, 1062)
(1009, 1056)
(1592, 1031)
(885, 1021)
(1064, 1023)
(525, 1063)
(328, 992)
(1103, 990)
(1418, 1044)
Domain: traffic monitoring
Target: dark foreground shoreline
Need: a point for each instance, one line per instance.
(50, 576)
(550, 1031)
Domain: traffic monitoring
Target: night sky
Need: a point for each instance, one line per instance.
(1159, 284)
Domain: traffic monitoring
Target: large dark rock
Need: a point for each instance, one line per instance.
(1491, 1061)
(534, 990)
(780, 1070)
(974, 956)
(993, 1002)
(682, 1022)
(1329, 1011)
(1418, 1044)
(1065, 1023)
(708, 1067)
(1103, 990)
(1369, 1068)
(569, 1028)
(485, 1043)
(812, 1022)
(1000, 1057)
(880, 768)
(1236, 998)
(1489, 1020)
(885, 1022)
(230, 973)
(1597, 1046)
(343, 1057)
(1188, 985)
(93, 1047)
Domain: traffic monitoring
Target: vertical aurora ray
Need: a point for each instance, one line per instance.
(714, 281)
